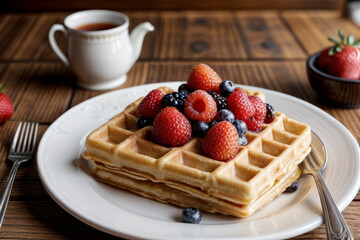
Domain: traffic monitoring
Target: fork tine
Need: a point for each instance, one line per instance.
(35, 127)
(16, 136)
(24, 143)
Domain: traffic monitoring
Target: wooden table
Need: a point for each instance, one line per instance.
(267, 49)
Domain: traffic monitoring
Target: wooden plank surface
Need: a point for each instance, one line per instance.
(258, 48)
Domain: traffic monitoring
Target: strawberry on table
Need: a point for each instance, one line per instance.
(150, 106)
(6, 108)
(171, 128)
(221, 142)
(203, 77)
(343, 59)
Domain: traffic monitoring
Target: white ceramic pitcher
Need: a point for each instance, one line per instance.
(100, 59)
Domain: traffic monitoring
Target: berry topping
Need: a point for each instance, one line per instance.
(203, 77)
(221, 142)
(254, 125)
(220, 101)
(143, 122)
(171, 128)
(212, 123)
(184, 87)
(150, 106)
(240, 126)
(226, 88)
(292, 188)
(270, 113)
(200, 128)
(242, 141)
(225, 115)
(200, 106)
(240, 105)
(175, 99)
(260, 108)
(191, 215)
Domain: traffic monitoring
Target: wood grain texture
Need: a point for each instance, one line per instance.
(312, 30)
(51, 5)
(39, 91)
(268, 38)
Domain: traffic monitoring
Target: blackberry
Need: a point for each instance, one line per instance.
(191, 215)
(221, 102)
(270, 113)
(175, 99)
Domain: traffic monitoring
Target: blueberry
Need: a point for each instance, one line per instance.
(292, 188)
(226, 88)
(191, 215)
(241, 127)
(270, 113)
(225, 115)
(185, 87)
(212, 123)
(242, 141)
(200, 128)
(143, 122)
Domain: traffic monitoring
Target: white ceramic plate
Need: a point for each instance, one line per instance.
(124, 214)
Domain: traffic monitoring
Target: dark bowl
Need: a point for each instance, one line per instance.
(336, 91)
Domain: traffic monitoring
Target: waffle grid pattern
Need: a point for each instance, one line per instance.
(267, 156)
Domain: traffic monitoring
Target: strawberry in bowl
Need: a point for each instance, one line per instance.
(334, 72)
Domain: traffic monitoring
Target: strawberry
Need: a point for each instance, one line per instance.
(150, 106)
(203, 77)
(253, 124)
(240, 105)
(345, 64)
(343, 59)
(221, 141)
(171, 128)
(200, 106)
(6, 108)
(260, 108)
(323, 60)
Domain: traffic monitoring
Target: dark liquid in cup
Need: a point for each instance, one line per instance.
(96, 26)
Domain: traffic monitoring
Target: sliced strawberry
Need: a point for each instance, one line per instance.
(221, 142)
(150, 106)
(171, 128)
(200, 106)
(203, 77)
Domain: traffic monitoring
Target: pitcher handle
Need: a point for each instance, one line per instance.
(54, 45)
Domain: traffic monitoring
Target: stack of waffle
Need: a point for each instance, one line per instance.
(125, 157)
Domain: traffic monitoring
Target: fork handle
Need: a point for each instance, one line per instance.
(336, 227)
(5, 192)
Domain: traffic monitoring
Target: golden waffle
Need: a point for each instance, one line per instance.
(123, 153)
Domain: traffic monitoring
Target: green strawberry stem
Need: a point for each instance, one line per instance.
(344, 41)
(1, 87)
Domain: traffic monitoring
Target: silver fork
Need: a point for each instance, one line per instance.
(314, 164)
(21, 150)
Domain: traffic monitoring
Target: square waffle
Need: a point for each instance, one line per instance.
(126, 157)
